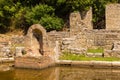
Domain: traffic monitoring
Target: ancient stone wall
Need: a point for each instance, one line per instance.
(54, 36)
(8, 44)
(77, 24)
(113, 16)
(91, 39)
(104, 38)
(80, 37)
(75, 44)
(33, 63)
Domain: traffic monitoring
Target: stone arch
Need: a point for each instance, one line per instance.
(37, 27)
(36, 39)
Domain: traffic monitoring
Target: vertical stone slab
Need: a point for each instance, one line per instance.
(18, 51)
(57, 50)
(75, 18)
(113, 17)
(88, 19)
(77, 24)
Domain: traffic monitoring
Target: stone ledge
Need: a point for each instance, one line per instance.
(6, 60)
(97, 64)
(94, 54)
(37, 64)
(112, 53)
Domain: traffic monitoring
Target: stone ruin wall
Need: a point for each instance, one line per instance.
(92, 39)
(113, 16)
(102, 38)
(88, 19)
(9, 44)
(77, 24)
(81, 35)
(54, 36)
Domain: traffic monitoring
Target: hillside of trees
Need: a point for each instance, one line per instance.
(52, 14)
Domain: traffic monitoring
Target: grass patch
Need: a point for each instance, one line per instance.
(98, 50)
(74, 57)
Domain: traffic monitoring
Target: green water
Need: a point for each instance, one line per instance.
(61, 73)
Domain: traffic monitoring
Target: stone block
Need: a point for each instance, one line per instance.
(112, 53)
(67, 41)
(18, 51)
(98, 54)
(102, 64)
(90, 55)
(107, 53)
(94, 54)
(113, 17)
(116, 64)
(33, 63)
(5, 51)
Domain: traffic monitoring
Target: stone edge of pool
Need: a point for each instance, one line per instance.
(100, 64)
(6, 60)
(89, 63)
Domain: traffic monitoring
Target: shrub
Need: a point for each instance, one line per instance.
(52, 23)
(34, 14)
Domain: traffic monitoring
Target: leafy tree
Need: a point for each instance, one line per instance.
(34, 15)
(44, 15)
(15, 14)
(51, 22)
(20, 20)
(7, 11)
(99, 12)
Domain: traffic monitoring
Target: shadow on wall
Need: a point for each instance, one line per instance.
(39, 37)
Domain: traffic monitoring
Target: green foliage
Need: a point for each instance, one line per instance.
(79, 5)
(74, 57)
(44, 15)
(8, 10)
(99, 12)
(34, 15)
(70, 56)
(51, 23)
(23, 13)
(20, 20)
(98, 50)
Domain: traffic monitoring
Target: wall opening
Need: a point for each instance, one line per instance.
(39, 38)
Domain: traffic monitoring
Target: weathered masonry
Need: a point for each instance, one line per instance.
(82, 35)
(113, 17)
(46, 46)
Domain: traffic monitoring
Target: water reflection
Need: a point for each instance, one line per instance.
(61, 73)
(7, 75)
(46, 74)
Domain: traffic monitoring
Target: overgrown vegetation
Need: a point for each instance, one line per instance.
(74, 57)
(52, 14)
(98, 50)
